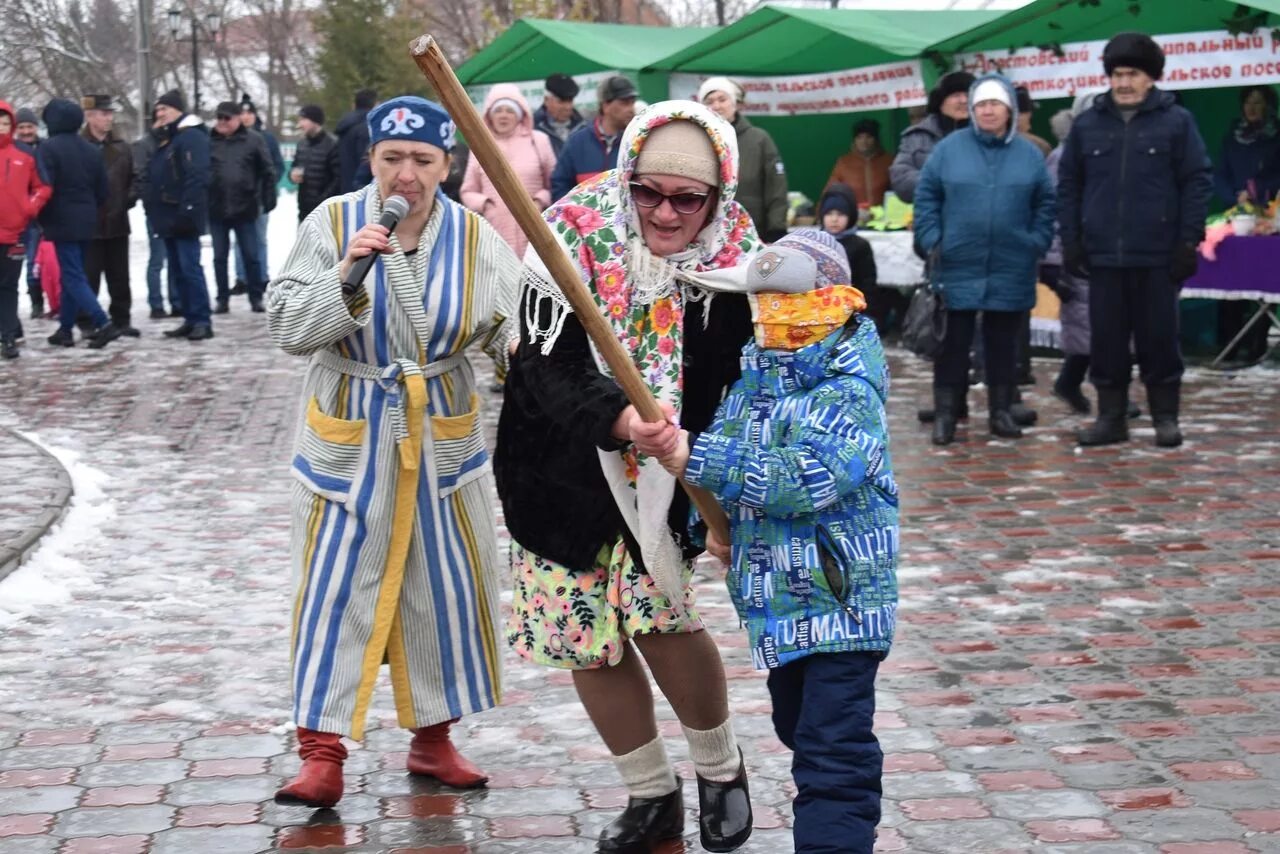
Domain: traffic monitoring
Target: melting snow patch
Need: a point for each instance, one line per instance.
(54, 572)
(1128, 604)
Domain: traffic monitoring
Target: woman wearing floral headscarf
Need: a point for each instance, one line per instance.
(600, 560)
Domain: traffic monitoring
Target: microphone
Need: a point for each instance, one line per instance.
(393, 210)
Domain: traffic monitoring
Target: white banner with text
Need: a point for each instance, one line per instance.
(854, 90)
(1206, 60)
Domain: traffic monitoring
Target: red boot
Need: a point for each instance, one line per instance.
(432, 754)
(319, 782)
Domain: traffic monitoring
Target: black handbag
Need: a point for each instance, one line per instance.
(925, 323)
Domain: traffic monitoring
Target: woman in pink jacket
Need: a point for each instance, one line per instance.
(529, 152)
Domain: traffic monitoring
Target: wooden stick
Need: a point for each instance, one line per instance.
(427, 54)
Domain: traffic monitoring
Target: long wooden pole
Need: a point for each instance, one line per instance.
(427, 54)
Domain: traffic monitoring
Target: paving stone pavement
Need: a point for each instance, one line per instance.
(1087, 658)
(37, 490)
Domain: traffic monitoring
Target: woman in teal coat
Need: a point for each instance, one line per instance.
(984, 214)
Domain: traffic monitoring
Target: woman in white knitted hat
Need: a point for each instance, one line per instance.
(600, 559)
(762, 179)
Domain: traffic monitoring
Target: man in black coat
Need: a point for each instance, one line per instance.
(1133, 191)
(249, 118)
(316, 168)
(241, 183)
(108, 252)
(557, 117)
(177, 204)
(73, 168)
(353, 141)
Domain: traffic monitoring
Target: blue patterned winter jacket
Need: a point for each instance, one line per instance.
(798, 455)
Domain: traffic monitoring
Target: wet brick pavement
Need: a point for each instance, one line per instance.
(1087, 661)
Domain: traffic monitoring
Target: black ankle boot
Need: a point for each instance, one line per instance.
(1000, 419)
(645, 822)
(926, 416)
(1067, 386)
(1112, 425)
(724, 811)
(1023, 415)
(946, 401)
(1164, 400)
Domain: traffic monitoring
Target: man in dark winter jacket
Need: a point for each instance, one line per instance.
(352, 132)
(108, 252)
(557, 117)
(316, 168)
(177, 203)
(1134, 184)
(73, 168)
(143, 148)
(593, 148)
(27, 132)
(948, 110)
(249, 118)
(241, 182)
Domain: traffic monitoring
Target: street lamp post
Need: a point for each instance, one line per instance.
(213, 24)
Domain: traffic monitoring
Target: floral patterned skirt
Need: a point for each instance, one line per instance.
(582, 620)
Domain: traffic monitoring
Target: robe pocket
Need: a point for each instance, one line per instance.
(329, 453)
(460, 454)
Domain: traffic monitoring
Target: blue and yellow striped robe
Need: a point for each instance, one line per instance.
(394, 542)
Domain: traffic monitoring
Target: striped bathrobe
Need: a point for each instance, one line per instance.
(394, 546)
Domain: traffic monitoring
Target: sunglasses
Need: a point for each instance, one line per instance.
(681, 203)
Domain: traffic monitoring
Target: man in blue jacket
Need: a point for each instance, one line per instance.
(593, 148)
(178, 204)
(1134, 184)
(73, 167)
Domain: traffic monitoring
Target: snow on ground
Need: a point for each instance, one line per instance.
(55, 570)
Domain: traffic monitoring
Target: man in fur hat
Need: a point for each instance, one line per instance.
(1134, 188)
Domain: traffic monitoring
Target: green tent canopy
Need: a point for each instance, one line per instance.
(532, 49)
(1047, 21)
(780, 40)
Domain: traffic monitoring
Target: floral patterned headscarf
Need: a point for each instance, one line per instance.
(598, 226)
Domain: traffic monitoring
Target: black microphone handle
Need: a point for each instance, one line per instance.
(360, 269)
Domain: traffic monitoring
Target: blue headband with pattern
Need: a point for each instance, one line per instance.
(411, 118)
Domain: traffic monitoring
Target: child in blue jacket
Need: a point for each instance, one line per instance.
(798, 455)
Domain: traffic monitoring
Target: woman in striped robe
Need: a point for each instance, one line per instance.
(394, 548)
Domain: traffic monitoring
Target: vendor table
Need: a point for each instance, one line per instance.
(1246, 268)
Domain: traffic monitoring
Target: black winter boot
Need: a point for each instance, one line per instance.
(946, 400)
(1000, 419)
(1023, 415)
(926, 416)
(104, 335)
(1112, 424)
(8, 348)
(645, 822)
(62, 338)
(1163, 400)
(1067, 386)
